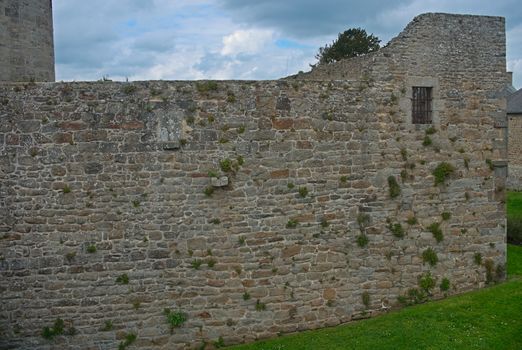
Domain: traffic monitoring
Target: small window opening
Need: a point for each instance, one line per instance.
(421, 105)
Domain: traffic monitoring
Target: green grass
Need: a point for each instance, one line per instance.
(514, 204)
(514, 217)
(514, 263)
(490, 318)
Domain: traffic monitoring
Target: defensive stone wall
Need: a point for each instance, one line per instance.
(515, 151)
(254, 208)
(26, 40)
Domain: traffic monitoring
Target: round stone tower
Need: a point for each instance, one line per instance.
(26, 40)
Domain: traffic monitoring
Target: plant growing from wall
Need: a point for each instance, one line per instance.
(435, 229)
(129, 339)
(225, 165)
(366, 299)
(397, 230)
(427, 141)
(404, 175)
(429, 256)
(122, 279)
(107, 326)
(442, 172)
(427, 282)
(324, 223)
(175, 319)
(489, 162)
(303, 191)
(445, 216)
(207, 86)
(260, 306)
(362, 240)
(208, 191)
(394, 188)
(489, 265)
(363, 220)
(291, 223)
(466, 163)
(412, 220)
(211, 263)
(220, 343)
(419, 295)
(91, 248)
(57, 329)
(445, 285)
(128, 89)
(246, 296)
(500, 272)
(231, 98)
(196, 264)
(404, 154)
(477, 258)
(70, 256)
(430, 131)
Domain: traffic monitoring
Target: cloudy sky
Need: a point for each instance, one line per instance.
(234, 39)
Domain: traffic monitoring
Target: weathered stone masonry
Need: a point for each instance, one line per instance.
(514, 115)
(124, 167)
(26, 40)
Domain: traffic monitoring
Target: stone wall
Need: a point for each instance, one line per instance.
(515, 151)
(255, 208)
(26, 40)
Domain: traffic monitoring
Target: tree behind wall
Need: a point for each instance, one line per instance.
(351, 43)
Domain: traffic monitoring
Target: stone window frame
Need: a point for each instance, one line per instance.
(405, 101)
(421, 102)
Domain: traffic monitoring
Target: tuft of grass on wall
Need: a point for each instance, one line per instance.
(435, 229)
(393, 187)
(430, 256)
(442, 172)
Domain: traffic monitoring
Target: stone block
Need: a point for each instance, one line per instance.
(221, 181)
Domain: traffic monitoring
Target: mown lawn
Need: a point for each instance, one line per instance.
(487, 319)
(514, 217)
(514, 204)
(514, 260)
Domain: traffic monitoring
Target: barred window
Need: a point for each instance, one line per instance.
(421, 105)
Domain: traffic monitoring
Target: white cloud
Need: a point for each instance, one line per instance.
(246, 42)
(178, 65)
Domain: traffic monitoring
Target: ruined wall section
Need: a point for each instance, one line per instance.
(88, 165)
(462, 57)
(256, 208)
(26, 40)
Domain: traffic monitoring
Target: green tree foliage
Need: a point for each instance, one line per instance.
(351, 43)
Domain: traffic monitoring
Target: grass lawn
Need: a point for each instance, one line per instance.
(487, 319)
(514, 217)
(514, 263)
(514, 204)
